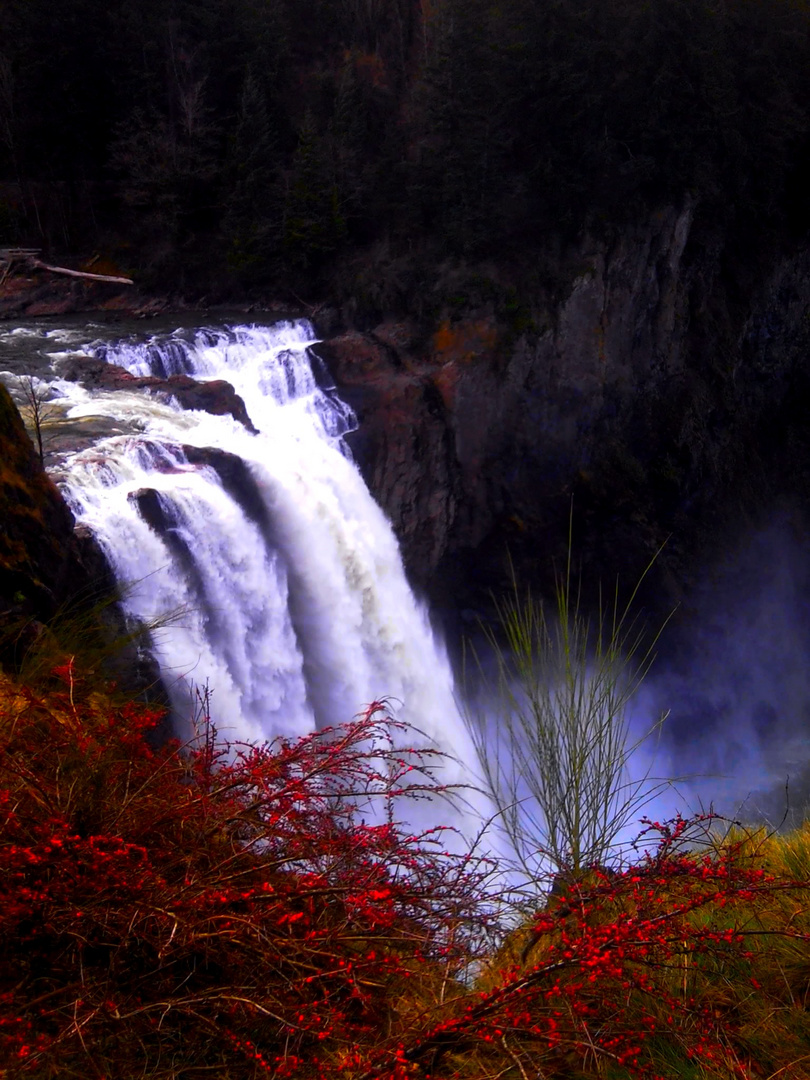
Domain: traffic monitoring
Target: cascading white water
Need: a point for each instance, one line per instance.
(295, 606)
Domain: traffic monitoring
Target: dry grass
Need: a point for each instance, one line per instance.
(756, 991)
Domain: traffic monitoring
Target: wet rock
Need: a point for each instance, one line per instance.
(404, 443)
(238, 481)
(149, 507)
(90, 371)
(217, 397)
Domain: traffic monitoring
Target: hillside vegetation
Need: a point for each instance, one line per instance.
(348, 147)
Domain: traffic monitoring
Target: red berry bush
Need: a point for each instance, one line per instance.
(239, 911)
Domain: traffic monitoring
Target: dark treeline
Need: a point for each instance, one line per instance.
(244, 143)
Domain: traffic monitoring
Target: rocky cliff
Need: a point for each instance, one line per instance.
(658, 380)
(45, 564)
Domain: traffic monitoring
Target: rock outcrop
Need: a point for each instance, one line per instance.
(658, 384)
(405, 442)
(45, 563)
(217, 397)
(54, 573)
(35, 292)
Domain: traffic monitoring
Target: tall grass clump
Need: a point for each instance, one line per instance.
(551, 727)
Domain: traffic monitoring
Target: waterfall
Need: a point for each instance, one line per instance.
(295, 608)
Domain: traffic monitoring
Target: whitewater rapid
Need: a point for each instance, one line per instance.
(281, 578)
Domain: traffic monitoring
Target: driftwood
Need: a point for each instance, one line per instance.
(81, 273)
(30, 257)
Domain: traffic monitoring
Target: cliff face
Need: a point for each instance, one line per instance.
(43, 562)
(660, 385)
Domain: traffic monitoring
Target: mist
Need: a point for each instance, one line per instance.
(734, 674)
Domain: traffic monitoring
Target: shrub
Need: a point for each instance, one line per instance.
(242, 908)
(663, 970)
(552, 733)
(244, 911)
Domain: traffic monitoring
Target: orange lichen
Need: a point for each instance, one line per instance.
(371, 68)
(458, 344)
(463, 340)
(446, 380)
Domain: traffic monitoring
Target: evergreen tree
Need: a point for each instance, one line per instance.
(166, 156)
(473, 126)
(465, 121)
(349, 136)
(253, 202)
(314, 225)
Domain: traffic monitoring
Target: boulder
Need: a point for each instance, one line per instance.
(217, 397)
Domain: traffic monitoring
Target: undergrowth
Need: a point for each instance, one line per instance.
(240, 911)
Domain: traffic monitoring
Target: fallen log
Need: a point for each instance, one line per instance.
(81, 273)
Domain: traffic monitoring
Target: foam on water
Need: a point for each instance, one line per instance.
(296, 608)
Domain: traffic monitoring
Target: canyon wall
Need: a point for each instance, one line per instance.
(659, 382)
